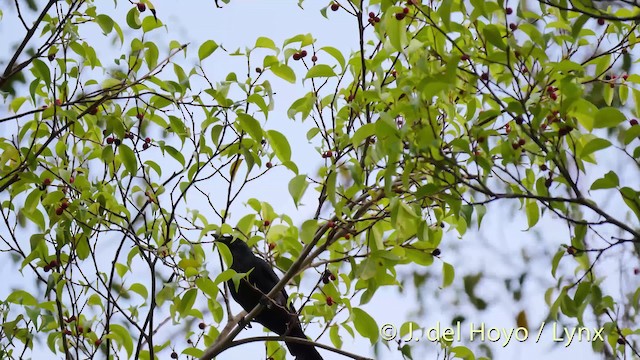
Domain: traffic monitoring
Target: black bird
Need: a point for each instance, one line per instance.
(281, 317)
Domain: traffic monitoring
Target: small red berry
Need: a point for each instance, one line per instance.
(621, 341)
(64, 205)
(303, 53)
(140, 117)
(267, 223)
(174, 355)
(109, 140)
(553, 96)
(332, 277)
(296, 56)
(93, 111)
(141, 7)
(59, 211)
(400, 16)
(484, 76)
(519, 120)
(314, 58)
(331, 224)
(202, 325)
(633, 122)
(269, 165)
(600, 21)
(258, 70)
(548, 182)
(372, 15)
(147, 140)
(329, 153)
(67, 332)
(521, 142)
(625, 77)
(51, 57)
(46, 268)
(46, 182)
(72, 180)
(272, 246)
(145, 146)
(513, 26)
(117, 142)
(347, 236)
(509, 11)
(58, 102)
(405, 10)
(543, 167)
(464, 57)
(54, 264)
(335, 6)
(515, 146)
(330, 301)
(98, 342)
(376, 19)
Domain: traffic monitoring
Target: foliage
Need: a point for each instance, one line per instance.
(445, 107)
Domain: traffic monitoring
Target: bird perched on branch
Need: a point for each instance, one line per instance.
(278, 315)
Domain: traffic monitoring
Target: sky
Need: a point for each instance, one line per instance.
(238, 25)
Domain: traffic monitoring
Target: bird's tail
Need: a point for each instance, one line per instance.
(301, 351)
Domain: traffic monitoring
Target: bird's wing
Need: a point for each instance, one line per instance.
(269, 279)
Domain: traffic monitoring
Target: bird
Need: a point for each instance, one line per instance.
(279, 316)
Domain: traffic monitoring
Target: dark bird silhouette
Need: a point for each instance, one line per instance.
(281, 317)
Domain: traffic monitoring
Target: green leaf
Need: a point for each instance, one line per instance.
(284, 72)
(128, 158)
(41, 71)
(149, 23)
(594, 145)
(321, 70)
(533, 213)
(556, 261)
(207, 48)
(249, 124)
(140, 290)
(365, 325)
(280, 145)
(105, 23)
(336, 54)
(133, 18)
(187, 301)
(608, 181)
(396, 32)
(266, 43)
(122, 337)
(492, 33)
(362, 133)
(297, 186)
(22, 297)
(448, 274)
(608, 117)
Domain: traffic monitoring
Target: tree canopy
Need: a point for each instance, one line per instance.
(123, 152)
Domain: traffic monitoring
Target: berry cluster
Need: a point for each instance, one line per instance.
(299, 55)
(373, 18)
